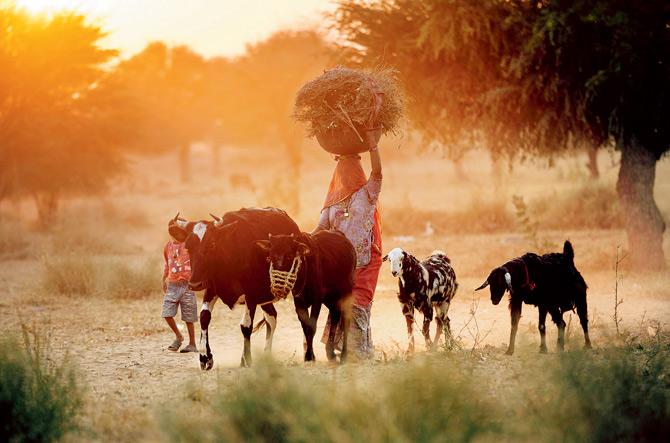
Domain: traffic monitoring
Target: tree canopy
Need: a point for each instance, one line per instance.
(527, 77)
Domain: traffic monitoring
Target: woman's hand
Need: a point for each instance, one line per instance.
(375, 162)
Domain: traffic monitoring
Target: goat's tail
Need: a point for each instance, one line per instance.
(568, 251)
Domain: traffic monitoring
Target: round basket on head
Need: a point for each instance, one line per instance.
(344, 141)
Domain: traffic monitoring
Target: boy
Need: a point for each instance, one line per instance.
(176, 275)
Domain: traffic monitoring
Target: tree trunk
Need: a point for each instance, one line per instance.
(185, 162)
(47, 208)
(644, 223)
(592, 163)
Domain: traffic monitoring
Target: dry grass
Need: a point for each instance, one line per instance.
(342, 97)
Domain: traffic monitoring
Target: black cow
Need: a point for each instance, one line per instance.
(551, 282)
(226, 262)
(324, 265)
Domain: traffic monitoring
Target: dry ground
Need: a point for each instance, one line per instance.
(119, 344)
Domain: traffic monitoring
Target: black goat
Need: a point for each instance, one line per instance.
(318, 269)
(551, 282)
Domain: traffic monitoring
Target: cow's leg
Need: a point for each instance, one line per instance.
(425, 329)
(441, 315)
(313, 319)
(246, 325)
(543, 329)
(306, 322)
(582, 312)
(516, 316)
(270, 315)
(206, 356)
(408, 312)
(557, 317)
(334, 320)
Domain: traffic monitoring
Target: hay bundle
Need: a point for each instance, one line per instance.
(344, 98)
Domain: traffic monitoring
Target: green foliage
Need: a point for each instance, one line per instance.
(39, 398)
(620, 394)
(529, 226)
(273, 404)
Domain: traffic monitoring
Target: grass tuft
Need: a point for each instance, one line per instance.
(39, 398)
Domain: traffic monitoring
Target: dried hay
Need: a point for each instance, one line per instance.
(346, 97)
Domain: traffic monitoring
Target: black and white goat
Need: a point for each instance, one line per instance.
(427, 285)
(551, 282)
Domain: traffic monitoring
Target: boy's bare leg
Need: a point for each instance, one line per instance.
(191, 333)
(171, 323)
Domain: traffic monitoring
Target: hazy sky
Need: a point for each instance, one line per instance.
(211, 27)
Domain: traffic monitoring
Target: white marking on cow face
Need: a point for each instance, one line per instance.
(199, 229)
(395, 261)
(246, 318)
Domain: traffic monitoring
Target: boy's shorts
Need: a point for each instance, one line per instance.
(179, 294)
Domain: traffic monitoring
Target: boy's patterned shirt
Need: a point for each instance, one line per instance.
(177, 262)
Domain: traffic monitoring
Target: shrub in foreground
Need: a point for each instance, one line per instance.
(39, 399)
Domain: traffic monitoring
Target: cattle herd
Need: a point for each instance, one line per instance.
(256, 257)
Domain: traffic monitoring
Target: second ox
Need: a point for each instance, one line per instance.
(226, 262)
(318, 269)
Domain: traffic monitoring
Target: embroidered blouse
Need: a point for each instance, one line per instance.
(354, 217)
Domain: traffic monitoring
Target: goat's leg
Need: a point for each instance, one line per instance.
(516, 316)
(334, 320)
(246, 325)
(270, 315)
(206, 356)
(441, 311)
(305, 321)
(582, 312)
(557, 318)
(425, 330)
(543, 330)
(408, 312)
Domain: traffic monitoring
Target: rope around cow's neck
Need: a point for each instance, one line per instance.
(282, 282)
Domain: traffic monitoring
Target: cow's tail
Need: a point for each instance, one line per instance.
(258, 326)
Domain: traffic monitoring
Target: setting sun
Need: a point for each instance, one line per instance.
(50, 6)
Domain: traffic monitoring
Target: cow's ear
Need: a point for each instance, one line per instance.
(263, 245)
(385, 258)
(303, 249)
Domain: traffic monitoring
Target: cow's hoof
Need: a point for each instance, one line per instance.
(588, 346)
(343, 358)
(206, 362)
(509, 352)
(245, 362)
(543, 349)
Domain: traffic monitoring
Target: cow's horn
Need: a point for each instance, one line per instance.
(218, 219)
(176, 217)
(485, 284)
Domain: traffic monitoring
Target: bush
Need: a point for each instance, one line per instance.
(13, 242)
(620, 394)
(273, 404)
(128, 280)
(39, 399)
(69, 275)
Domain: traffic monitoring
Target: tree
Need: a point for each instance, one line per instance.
(169, 92)
(536, 78)
(257, 92)
(55, 135)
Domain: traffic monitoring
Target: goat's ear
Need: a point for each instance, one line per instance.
(385, 258)
(485, 284)
(263, 245)
(303, 249)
